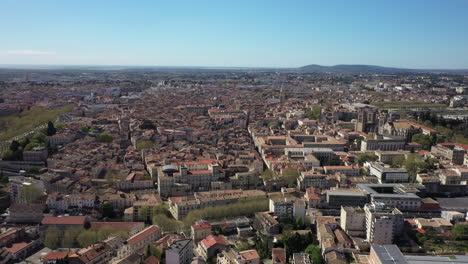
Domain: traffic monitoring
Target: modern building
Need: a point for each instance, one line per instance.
(353, 220)
(387, 174)
(286, 207)
(382, 223)
(180, 252)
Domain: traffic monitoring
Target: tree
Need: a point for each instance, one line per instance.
(108, 210)
(425, 140)
(315, 254)
(87, 238)
(145, 144)
(104, 138)
(51, 130)
(264, 245)
(290, 175)
(8, 155)
(52, 237)
(299, 223)
(268, 175)
(30, 194)
(167, 224)
(460, 232)
(70, 236)
(39, 137)
(397, 162)
(363, 158)
(274, 124)
(32, 145)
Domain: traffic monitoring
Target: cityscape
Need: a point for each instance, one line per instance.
(128, 162)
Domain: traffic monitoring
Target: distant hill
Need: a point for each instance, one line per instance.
(351, 68)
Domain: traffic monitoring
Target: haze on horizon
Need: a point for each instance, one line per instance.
(408, 34)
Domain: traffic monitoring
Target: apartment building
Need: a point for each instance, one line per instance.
(184, 178)
(180, 252)
(313, 179)
(382, 223)
(353, 220)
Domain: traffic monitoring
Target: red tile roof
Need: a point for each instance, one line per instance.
(133, 240)
(56, 255)
(212, 240)
(65, 220)
(250, 255)
(202, 225)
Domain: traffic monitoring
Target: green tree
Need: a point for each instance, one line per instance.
(460, 232)
(39, 137)
(104, 138)
(32, 145)
(275, 124)
(70, 236)
(363, 158)
(87, 238)
(8, 155)
(52, 237)
(290, 175)
(425, 140)
(315, 254)
(145, 144)
(397, 162)
(167, 224)
(51, 130)
(30, 194)
(268, 175)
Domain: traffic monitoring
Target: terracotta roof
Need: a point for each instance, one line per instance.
(15, 247)
(142, 235)
(250, 255)
(65, 220)
(202, 225)
(212, 240)
(56, 255)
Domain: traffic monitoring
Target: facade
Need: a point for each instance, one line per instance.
(383, 143)
(183, 179)
(393, 195)
(449, 151)
(19, 182)
(200, 230)
(233, 256)
(266, 224)
(285, 207)
(180, 252)
(211, 246)
(301, 258)
(313, 179)
(386, 175)
(353, 221)
(26, 213)
(382, 223)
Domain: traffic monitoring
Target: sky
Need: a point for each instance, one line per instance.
(422, 34)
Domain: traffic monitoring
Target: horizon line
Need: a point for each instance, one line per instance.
(35, 66)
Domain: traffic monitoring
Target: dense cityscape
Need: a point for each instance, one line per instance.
(233, 166)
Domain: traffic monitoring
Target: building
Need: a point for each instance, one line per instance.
(200, 230)
(440, 225)
(209, 247)
(63, 222)
(278, 256)
(185, 178)
(386, 254)
(181, 206)
(313, 179)
(387, 174)
(393, 195)
(233, 256)
(26, 213)
(180, 252)
(453, 152)
(301, 258)
(382, 223)
(350, 171)
(383, 143)
(266, 224)
(353, 220)
(367, 120)
(19, 182)
(36, 154)
(338, 198)
(139, 241)
(286, 207)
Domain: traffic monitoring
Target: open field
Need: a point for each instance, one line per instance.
(18, 124)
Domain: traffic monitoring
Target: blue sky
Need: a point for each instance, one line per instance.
(254, 33)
